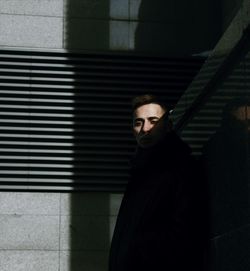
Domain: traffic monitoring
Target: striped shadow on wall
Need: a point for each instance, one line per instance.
(65, 117)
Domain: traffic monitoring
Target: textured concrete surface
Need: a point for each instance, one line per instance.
(108, 25)
(90, 203)
(84, 232)
(48, 231)
(29, 203)
(87, 9)
(83, 261)
(32, 7)
(29, 260)
(86, 33)
(119, 35)
(119, 9)
(31, 31)
(29, 232)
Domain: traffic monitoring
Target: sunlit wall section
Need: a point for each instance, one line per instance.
(124, 20)
(31, 24)
(36, 121)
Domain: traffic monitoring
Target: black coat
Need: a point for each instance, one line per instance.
(160, 222)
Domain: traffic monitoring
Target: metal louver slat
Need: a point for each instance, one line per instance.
(65, 118)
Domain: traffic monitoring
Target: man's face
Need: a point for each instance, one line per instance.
(242, 113)
(146, 132)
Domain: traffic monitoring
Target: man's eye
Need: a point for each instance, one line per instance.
(138, 123)
(154, 121)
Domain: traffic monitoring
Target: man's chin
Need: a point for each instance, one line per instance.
(146, 143)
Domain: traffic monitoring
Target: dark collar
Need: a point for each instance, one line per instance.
(166, 153)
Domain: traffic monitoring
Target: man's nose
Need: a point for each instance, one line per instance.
(146, 127)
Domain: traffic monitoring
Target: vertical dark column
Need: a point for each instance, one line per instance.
(87, 25)
(87, 28)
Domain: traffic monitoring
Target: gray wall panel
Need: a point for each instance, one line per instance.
(31, 31)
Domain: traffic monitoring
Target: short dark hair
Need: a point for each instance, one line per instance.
(233, 105)
(147, 99)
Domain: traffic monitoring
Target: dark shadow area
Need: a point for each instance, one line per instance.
(230, 9)
(226, 159)
(219, 135)
(89, 231)
(103, 85)
(87, 25)
(227, 168)
(103, 142)
(178, 26)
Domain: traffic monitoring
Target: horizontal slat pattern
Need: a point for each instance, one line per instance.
(65, 118)
(208, 118)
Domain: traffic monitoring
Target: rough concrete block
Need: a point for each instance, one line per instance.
(87, 9)
(32, 7)
(20, 232)
(29, 203)
(29, 260)
(90, 203)
(132, 35)
(114, 203)
(31, 31)
(83, 260)
(134, 9)
(119, 35)
(119, 9)
(86, 34)
(105, 9)
(112, 222)
(96, 34)
(84, 232)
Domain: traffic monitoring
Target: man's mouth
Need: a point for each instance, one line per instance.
(145, 139)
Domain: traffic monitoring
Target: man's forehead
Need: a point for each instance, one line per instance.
(149, 110)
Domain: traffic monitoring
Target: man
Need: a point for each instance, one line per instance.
(159, 222)
(227, 167)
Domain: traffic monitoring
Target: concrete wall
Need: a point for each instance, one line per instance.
(56, 231)
(60, 231)
(31, 23)
(173, 27)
